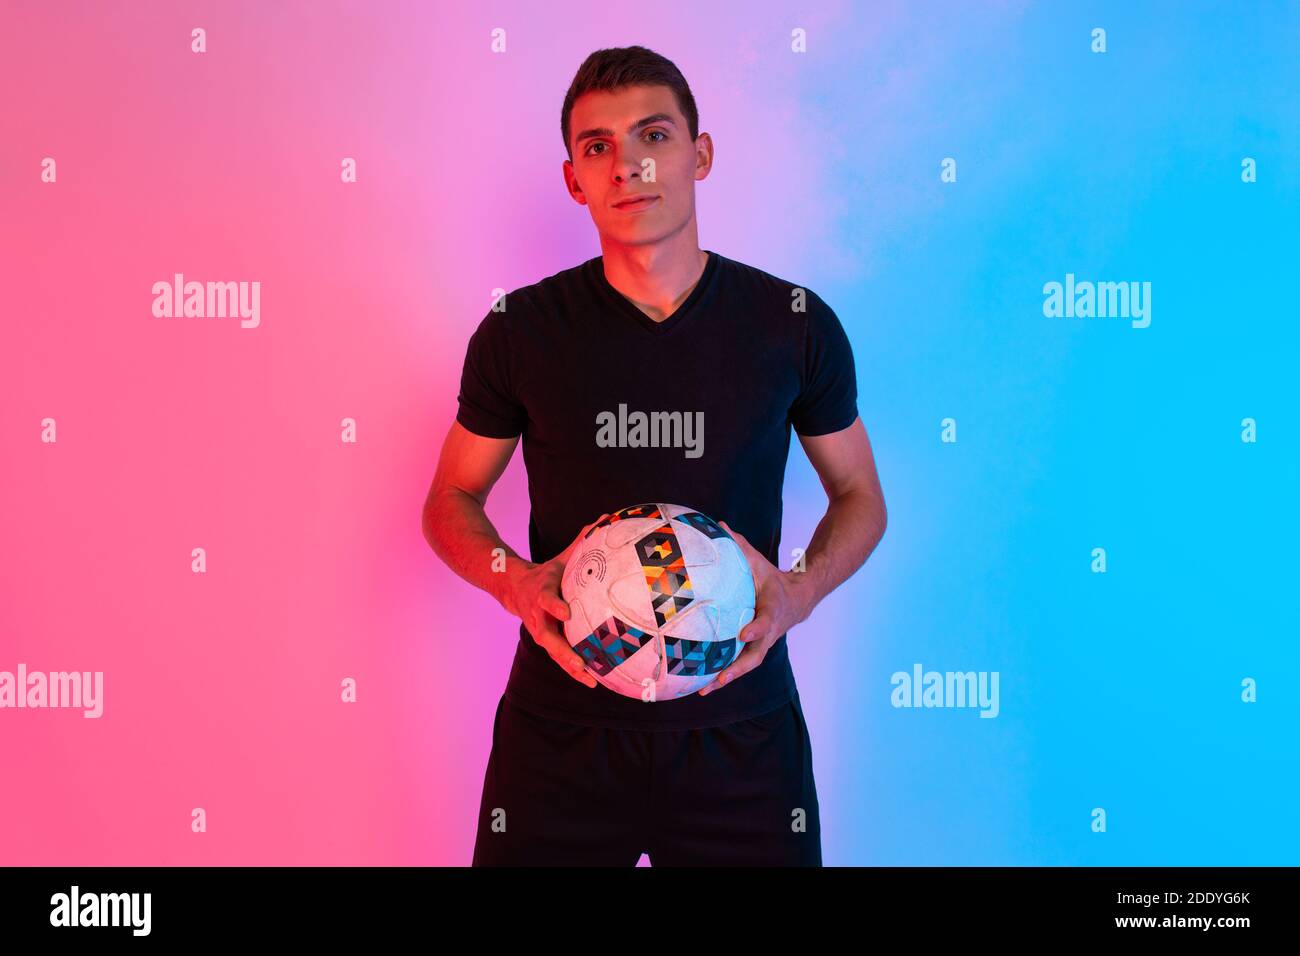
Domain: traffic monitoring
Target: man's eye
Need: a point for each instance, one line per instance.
(658, 132)
(593, 146)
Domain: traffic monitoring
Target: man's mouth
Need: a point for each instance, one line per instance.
(637, 202)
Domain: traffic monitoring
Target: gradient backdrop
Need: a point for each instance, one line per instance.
(1119, 690)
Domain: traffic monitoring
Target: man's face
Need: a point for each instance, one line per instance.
(630, 143)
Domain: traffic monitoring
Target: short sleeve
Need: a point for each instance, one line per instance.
(488, 405)
(828, 399)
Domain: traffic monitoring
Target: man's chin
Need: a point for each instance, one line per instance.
(641, 233)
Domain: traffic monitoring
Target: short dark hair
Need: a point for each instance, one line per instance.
(629, 66)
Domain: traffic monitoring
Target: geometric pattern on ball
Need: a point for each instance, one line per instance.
(703, 524)
(636, 511)
(691, 658)
(659, 594)
(664, 565)
(610, 644)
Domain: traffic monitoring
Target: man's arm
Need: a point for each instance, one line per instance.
(453, 519)
(458, 530)
(849, 531)
(855, 517)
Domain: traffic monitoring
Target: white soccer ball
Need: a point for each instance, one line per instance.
(657, 596)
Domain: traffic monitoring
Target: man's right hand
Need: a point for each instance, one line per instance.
(533, 596)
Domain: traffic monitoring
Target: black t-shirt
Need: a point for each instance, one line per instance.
(741, 351)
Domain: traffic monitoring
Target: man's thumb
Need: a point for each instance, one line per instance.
(564, 555)
(555, 606)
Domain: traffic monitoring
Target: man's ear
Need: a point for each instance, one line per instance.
(571, 183)
(703, 156)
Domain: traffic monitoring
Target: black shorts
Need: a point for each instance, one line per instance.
(563, 794)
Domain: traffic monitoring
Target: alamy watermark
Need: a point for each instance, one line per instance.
(946, 689)
(626, 429)
(38, 689)
(1101, 300)
(102, 909)
(197, 300)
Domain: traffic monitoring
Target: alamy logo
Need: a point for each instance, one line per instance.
(195, 300)
(1102, 300)
(651, 430)
(946, 689)
(38, 689)
(102, 909)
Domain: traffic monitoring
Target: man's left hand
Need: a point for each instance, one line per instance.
(779, 605)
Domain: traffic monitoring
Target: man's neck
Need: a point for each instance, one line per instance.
(657, 278)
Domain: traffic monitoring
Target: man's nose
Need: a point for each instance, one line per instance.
(628, 168)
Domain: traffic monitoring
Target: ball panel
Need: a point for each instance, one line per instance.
(646, 512)
(640, 668)
(688, 658)
(607, 645)
(630, 599)
(701, 523)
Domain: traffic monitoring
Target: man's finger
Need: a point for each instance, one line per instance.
(554, 605)
(757, 629)
(563, 557)
(753, 558)
(746, 661)
(558, 647)
(740, 538)
(732, 531)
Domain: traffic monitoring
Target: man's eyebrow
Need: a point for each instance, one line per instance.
(606, 131)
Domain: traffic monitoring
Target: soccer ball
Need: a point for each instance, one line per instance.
(657, 596)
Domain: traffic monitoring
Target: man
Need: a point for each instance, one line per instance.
(579, 774)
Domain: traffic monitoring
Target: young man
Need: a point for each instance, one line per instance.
(578, 774)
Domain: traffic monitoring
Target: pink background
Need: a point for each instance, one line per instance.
(222, 689)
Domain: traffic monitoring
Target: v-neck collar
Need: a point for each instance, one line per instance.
(624, 305)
